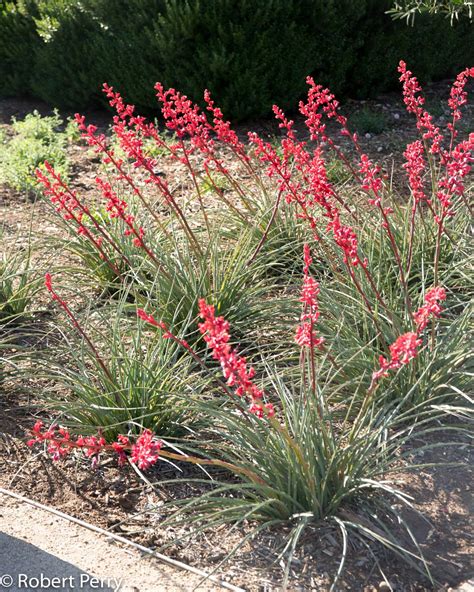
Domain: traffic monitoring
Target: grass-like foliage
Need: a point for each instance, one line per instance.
(344, 364)
(128, 380)
(19, 281)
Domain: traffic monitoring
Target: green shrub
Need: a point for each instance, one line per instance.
(18, 44)
(35, 140)
(368, 121)
(196, 44)
(433, 48)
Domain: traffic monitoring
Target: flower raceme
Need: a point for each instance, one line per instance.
(431, 307)
(457, 164)
(415, 166)
(305, 332)
(405, 347)
(234, 366)
(414, 104)
(458, 96)
(144, 452)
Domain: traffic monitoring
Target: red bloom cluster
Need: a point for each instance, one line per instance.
(414, 104)
(415, 166)
(321, 190)
(234, 367)
(184, 118)
(458, 96)
(144, 452)
(305, 332)
(402, 351)
(458, 165)
(371, 180)
(405, 347)
(346, 239)
(222, 128)
(116, 207)
(430, 307)
(320, 98)
(58, 439)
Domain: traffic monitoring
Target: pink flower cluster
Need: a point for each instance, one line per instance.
(222, 128)
(143, 453)
(414, 104)
(234, 367)
(431, 307)
(371, 180)
(458, 96)
(320, 98)
(415, 166)
(457, 165)
(402, 350)
(184, 118)
(305, 332)
(405, 347)
(117, 209)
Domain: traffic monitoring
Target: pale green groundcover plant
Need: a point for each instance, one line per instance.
(34, 140)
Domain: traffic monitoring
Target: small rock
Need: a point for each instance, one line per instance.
(396, 116)
(466, 587)
(368, 136)
(379, 149)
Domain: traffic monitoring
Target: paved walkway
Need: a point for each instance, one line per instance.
(40, 551)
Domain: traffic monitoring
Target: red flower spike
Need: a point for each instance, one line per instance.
(414, 104)
(415, 166)
(234, 367)
(458, 165)
(144, 452)
(458, 96)
(430, 307)
(404, 349)
(305, 332)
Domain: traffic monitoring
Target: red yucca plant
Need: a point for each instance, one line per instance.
(300, 455)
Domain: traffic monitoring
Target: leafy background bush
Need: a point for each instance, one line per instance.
(35, 140)
(19, 41)
(193, 45)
